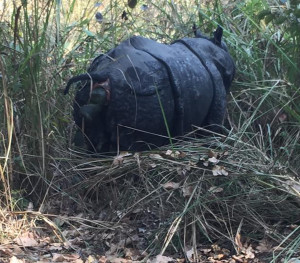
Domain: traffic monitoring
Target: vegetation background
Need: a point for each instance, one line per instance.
(44, 43)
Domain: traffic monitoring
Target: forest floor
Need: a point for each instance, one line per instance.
(124, 242)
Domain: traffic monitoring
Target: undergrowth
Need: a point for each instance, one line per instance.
(253, 190)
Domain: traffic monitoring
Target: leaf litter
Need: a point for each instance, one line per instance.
(124, 237)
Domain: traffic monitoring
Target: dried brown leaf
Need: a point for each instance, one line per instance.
(169, 152)
(161, 259)
(215, 189)
(132, 253)
(175, 154)
(66, 257)
(216, 170)
(264, 246)
(57, 257)
(237, 241)
(14, 259)
(118, 160)
(190, 254)
(156, 156)
(205, 250)
(223, 171)
(91, 259)
(219, 170)
(213, 160)
(119, 260)
(239, 258)
(171, 185)
(27, 239)
(187, 190)
(102, 259)
(212, 154)
(249, 253)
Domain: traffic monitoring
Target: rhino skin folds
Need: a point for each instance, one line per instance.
(190, 78)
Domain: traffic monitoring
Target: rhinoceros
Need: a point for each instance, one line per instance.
(145, 91)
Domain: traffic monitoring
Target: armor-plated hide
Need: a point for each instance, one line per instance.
(141, 87)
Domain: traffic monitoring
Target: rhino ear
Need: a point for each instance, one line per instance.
(218, 35)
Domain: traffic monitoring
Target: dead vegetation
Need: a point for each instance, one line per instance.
(211, 199)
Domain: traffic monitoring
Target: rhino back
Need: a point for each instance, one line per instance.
(190, 82)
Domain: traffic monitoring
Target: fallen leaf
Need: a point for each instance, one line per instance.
(161, 259)
(155, 156)
(175, 154)
(152, 165)
(263, 246)
(118, 260)
(27, 239)
(181, 155)
(216, 170)
(219, 170)
(14, 259)
(205, 250)
(55, 246)
(102, 259)
(226, 153)
(182, 171)
(223, 171)
(132, 253)
(171, 185)
(249, 253)
(205, 164)
(239, 258)
(215, 189)
(190, 254)
(30, 206)
(219, 256)
(238, 242)
(57, 257)
(119, 159)
(125, 154)
(187, 191)
(211, 154)
(66, 258)
(91, 259)
(213, 160)
(169, 152)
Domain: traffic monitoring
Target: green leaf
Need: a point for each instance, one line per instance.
(261, 15)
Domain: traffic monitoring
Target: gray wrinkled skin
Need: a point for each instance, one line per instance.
(190, 78)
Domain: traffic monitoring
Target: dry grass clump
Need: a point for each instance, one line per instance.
(201, 190)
